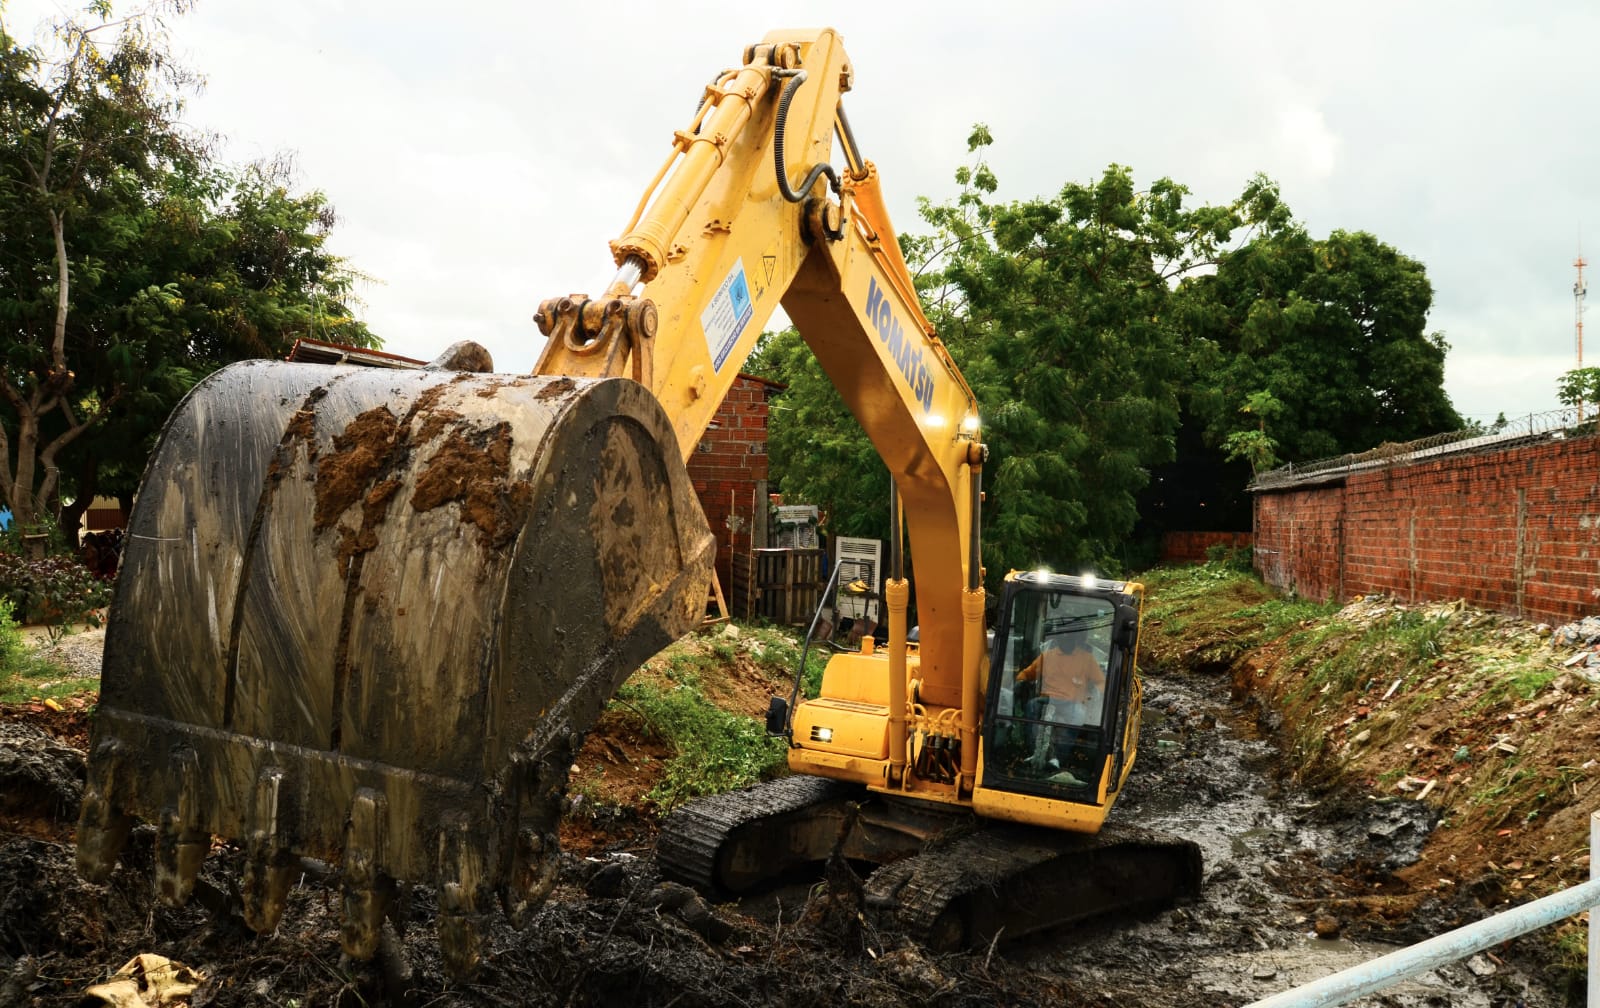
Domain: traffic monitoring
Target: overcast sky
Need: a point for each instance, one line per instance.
(481, 153)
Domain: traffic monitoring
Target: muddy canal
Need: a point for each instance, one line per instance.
(1289, 884)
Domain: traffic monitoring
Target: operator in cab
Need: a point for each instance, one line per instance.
(1071, 683)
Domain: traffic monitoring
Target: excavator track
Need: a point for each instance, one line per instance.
(1006, 882)
(948, 879)
(726, 843)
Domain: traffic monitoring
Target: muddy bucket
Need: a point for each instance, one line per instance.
(365, 616)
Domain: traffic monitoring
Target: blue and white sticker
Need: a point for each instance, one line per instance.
(726, 316)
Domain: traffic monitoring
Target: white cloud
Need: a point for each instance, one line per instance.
(481, 154)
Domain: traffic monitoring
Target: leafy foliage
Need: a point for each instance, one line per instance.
(1309, 348)
(1106, 326)
(131, 263)
(1580, 385)
(25, 675)
(53, 590)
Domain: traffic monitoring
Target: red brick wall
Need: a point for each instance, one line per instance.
(729, 470)
(1190, 547)
(1515, 531)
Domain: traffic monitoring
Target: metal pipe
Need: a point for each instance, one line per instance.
(973, 638)
(703, 155)
(805, 650)
(975, 531)
(1374, 976)
(897, 558)
(847, 138)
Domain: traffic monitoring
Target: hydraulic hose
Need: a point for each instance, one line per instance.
(796, 78)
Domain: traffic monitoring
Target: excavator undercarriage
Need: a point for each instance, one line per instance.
(937, 873)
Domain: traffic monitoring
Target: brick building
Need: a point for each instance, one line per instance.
(729, 472)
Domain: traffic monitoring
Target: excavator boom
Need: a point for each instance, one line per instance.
(366, 616)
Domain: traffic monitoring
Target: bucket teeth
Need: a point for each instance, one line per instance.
(265, 884)
(366, 889)
(102, 827)
(533, 875)
(180, 847)
(461, 865)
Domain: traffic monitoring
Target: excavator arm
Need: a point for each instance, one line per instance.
(747, 214)
(365, 617)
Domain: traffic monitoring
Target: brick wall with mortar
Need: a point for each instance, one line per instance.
(1191, 547)
(1516, 531)
(729, 473)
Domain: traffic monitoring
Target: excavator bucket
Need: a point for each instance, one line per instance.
(365, 617)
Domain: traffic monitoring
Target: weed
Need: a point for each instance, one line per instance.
(714, 750)
(685, 667)
(1278, 615)
(1511, 678)
(1234, 558)
(1570, 952)
(24, 675)
(777, 652)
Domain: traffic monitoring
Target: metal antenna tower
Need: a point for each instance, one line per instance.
(1579, 290)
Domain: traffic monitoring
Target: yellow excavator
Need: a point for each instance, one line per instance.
(366, 616)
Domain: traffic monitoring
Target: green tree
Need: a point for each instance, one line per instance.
(1333, 330)
(1060, 315)
(1055, 311)
(130, 263)
(1105, 326)
(817, 449)
(1256, 446)
(1576, 387)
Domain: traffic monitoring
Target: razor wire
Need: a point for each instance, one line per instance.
(1505, 433)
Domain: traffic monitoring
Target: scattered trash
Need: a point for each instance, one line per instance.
(147, 981)
(1480, 966)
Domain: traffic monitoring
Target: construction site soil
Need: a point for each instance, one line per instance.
(1299, 881)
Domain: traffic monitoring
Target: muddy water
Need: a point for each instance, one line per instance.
(1276, 862)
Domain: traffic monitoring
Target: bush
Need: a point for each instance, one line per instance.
(715, 750)
(25, 675)
(1237, 558)
(55, 591)
(13, 649)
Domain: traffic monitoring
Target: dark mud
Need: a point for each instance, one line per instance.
(1283, 867)
(1297, 885)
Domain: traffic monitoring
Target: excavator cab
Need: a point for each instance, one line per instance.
(1062, 690)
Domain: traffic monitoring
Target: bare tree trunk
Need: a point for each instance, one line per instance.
(58, 342)
(72, 514)
(24, 502)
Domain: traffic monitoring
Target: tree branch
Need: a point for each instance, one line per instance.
(47, 456)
